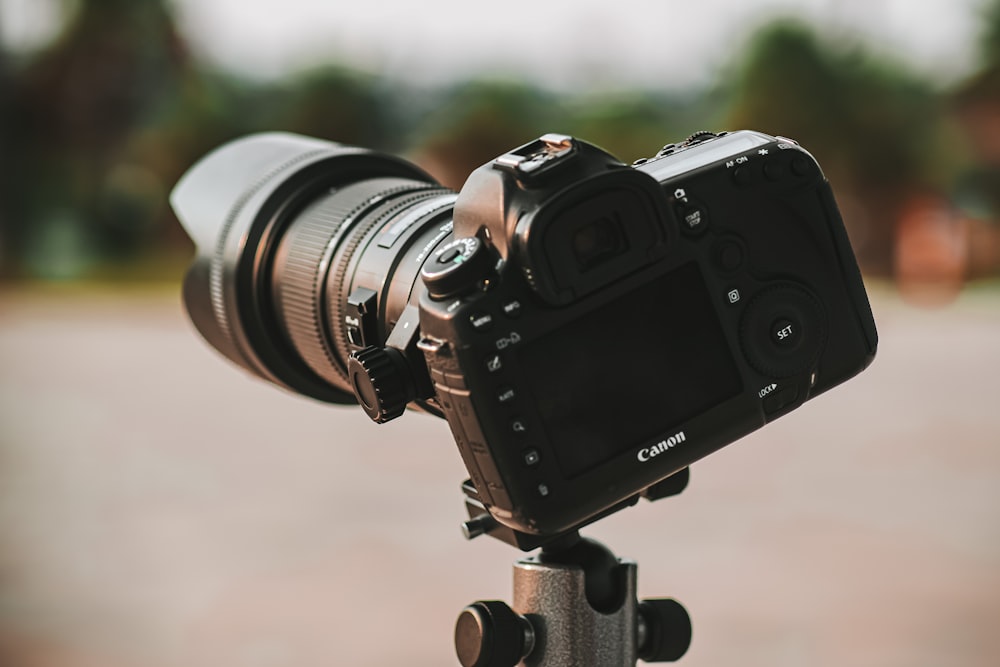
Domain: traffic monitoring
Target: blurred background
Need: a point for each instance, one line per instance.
(158, 508)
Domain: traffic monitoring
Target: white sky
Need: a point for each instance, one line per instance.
(561, 42)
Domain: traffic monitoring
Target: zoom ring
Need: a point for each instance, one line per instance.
(300, 284)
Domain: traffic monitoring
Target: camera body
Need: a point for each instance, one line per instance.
(587, 328)
(592, 328)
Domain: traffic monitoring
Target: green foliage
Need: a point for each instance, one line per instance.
(97, 128)
(866, 119)
(990, 40)
(476, 121)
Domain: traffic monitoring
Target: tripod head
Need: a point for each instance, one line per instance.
(481, 522)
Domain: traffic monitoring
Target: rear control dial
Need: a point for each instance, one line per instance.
(783, 330)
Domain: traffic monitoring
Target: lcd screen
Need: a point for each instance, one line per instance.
(630, 370)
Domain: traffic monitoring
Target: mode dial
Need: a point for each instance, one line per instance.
(381, 381)
(458, 266)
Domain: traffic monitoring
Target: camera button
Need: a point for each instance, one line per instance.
(694, 219)
(802, 166)
(506, 395)
(481, 321)
(729, 256)
(743, 176)
(543, 490)
(774, 170)
(786, 333)
(494, 363)
(512, 308)
(532, 457)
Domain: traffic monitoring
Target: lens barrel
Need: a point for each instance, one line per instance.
(301, 246)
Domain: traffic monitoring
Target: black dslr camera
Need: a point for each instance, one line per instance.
(587, 328)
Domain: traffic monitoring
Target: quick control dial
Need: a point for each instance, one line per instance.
(458, 266)
(783, 330)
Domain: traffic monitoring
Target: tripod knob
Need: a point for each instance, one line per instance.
(381, 382)
(667, 630)
(490, 634)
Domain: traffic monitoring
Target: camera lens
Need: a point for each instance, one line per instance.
(307, 250)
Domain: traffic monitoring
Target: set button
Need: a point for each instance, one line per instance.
(785, 333)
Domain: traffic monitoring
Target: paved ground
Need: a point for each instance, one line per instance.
(158, 508)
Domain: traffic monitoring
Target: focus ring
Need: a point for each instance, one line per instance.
(301, 265)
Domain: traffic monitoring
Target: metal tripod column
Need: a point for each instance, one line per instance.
(568, 631)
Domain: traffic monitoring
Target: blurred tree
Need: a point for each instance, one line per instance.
(332, 103)
(631, 125)
(475, 122)
(875, 128)
(976, 103)
(7, 165)
(75, 110)
(990, 40)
